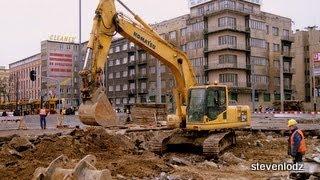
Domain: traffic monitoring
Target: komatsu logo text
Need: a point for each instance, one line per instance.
(144, 40)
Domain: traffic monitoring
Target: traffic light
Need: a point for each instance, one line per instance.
(33, 75)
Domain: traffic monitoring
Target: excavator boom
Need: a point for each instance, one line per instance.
(96, 109)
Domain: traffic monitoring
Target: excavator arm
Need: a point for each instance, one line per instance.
(96, 109)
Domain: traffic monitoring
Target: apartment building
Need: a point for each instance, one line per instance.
(59, 61)
(23, 91)
(231, 42)
(307, 65)
(239, 45)
(4, 85)
(134, 76)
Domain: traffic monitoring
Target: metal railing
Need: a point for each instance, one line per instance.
(227, 27)
(230, 46)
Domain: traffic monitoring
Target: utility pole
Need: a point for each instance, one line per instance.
(79, 54)
(253, 91)
(281, 85)
(158, 91)
(314, 87)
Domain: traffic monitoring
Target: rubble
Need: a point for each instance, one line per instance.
(127, 156)
(20, 144)
(231, 158)
(179, 161)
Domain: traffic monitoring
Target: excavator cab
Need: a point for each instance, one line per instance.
(206, 102)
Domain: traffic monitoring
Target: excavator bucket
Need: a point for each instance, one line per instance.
(98, 111)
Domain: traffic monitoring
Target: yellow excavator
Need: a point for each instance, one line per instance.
(203, 116)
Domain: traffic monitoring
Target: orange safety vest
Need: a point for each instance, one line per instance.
(302, 146)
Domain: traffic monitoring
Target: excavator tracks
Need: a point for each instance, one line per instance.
(215, 144)
(211, 143)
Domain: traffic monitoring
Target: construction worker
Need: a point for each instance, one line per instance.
(297, 146)
(297, 142)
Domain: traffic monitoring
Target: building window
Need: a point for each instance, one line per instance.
(117, 74)
(230, 40)
(275, 31)
(195, 44)
(172, 35)
(125, 87)
(227, 22)
(152, 69)
(125, 74)
(131, 44)
(125, 60)
(118, 101)
(234, 96)
(132, 72)
(266, 97)
(227, 78)
(118, 87)
(260, 61)
(267, 28)
(132, 86)
(143, 71)
(111, 50)
(132, 100)
(276, 47)
(110, 88)
(228, 58)
(132, 58)
(277, 96)
(118, 62)
(184, 47)
(152, 85)
(196, 27)
(163, 69)
(198, 62)
(110, 76)
(227, 4)
(260, 79)
(143, 86)
(200, 10)
(125, 100)
(254, 42)
(143, 56)
(118, 49)
(125, 47)
(183, 32)
(110, 63)
(286, 33)
(257, 25)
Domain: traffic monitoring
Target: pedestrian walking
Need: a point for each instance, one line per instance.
(43, 114)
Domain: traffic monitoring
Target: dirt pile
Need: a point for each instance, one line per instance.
(128, 156)
(115, 152)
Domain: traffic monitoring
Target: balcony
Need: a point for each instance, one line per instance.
(287, 38)
(143, 76)
(132, 77)
(217, 66)
(228, 47)
(131, 63)
(289, 70)
(132, 49)
(230, 8)
(142, 62)
(212, 29)
(143, 91)
(288, 87)
(288, 54)
(132, 92)
(261, 86)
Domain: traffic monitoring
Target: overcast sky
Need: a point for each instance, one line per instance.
(24, 23)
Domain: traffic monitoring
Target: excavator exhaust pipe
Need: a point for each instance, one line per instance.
(98, 111)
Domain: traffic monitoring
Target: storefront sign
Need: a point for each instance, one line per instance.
(61, 38)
